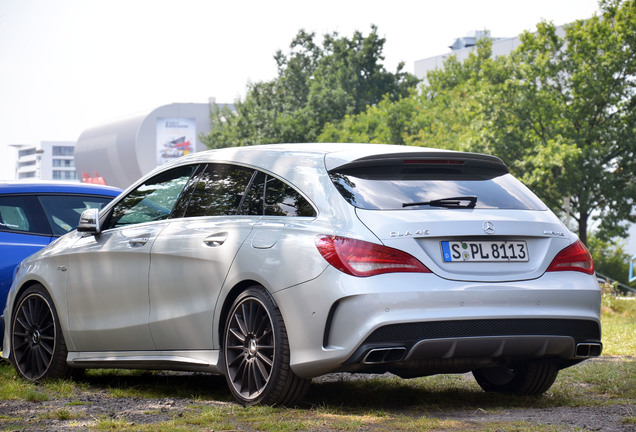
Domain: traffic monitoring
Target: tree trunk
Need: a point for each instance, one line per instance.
(583, 218)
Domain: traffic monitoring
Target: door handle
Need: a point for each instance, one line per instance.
(215, 240)
(138, 241)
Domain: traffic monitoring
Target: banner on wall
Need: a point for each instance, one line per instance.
(176, 137)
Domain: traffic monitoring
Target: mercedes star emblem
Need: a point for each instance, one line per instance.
(488, 227)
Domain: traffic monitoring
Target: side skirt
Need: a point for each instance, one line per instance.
(194, 361)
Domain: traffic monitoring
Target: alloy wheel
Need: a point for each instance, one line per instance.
(34, 336)
(250, 348)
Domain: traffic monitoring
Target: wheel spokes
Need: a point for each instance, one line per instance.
(249, 348)
(34, 336)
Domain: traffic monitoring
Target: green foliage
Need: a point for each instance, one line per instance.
(560, 110)
(610, 258)
(570, 106)
(315, 85)
(445, 113)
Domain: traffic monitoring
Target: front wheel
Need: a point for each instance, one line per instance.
(38, 350)
(528, 379)
(256, 353)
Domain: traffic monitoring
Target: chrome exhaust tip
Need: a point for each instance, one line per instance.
(586, 350)
(384, 355)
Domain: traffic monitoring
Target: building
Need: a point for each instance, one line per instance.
(462, 47)
(46, 160)
(119, 152)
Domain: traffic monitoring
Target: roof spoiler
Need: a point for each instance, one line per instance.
(449, 159)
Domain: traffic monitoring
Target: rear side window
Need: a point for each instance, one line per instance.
(417, 185)
(270, 196)
(23, 214)
(219, 190)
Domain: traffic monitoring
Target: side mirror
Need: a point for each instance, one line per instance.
(89, 221)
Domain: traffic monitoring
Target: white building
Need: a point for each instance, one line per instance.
(462, 47)
(46, 160)
(121, 151)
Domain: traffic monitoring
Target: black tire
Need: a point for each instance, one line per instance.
(255, 353)
(38, 350)
(532, 378)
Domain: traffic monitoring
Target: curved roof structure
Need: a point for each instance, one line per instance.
(123, 150)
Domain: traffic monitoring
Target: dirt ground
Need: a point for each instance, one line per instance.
(84, 410)
(143, 411)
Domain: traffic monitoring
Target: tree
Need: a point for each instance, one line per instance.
(445, 113)
(610, 259)
(314, 85)
(559, 110)
(573, 110)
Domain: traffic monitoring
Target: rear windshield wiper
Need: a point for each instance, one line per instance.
(454, 202)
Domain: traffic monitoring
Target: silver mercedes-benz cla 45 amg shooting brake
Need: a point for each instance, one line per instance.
(278, 263)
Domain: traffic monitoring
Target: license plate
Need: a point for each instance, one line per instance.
(485, 251)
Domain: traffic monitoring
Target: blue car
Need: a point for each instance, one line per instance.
(33, 214)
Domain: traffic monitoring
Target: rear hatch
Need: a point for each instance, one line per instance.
(461, 214)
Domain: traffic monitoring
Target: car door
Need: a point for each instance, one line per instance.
(191, 257)
(280, 236)
(23, 231)
(107, 282)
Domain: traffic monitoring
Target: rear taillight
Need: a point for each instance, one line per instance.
(361, 258)
(573, 258)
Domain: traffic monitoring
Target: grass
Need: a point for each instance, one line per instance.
(618, 317)
(384, 403)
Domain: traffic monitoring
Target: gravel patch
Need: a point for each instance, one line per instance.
(83, 411)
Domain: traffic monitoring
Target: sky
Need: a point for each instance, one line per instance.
(70, 65)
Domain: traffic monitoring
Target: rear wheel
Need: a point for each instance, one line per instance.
(256, 353)
(38, 350)
(529, 379)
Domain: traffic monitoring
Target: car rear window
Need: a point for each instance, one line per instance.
(417, 184)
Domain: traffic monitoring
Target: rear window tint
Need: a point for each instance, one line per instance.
(23, 214)
(270, 196)
(392, 190)
(63, 211)
(218, 190)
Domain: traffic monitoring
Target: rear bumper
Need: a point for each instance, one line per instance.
(420, 324)
(416, 349)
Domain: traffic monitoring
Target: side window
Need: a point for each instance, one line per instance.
(219, 190)
(270, 196)
(63, 211)
(23, 214)
(153, 200)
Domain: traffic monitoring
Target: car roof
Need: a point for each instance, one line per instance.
(39, 186)
(333, 154)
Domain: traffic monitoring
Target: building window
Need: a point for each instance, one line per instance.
(29, 152)
(27, 163)
(68, 163)
(30, 174)
(63, 150)
(64, 175)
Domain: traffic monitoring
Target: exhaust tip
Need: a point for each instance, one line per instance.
(384, 355)
(586, 350)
